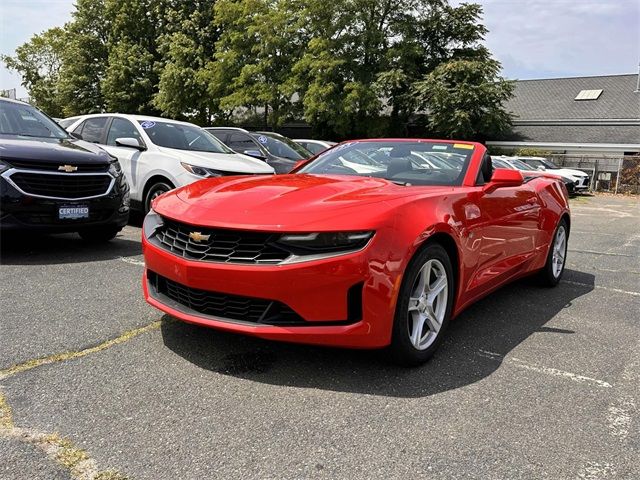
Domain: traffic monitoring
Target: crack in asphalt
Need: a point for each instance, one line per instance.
(57, 448)
(61, 357)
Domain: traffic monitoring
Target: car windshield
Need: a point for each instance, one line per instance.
(519, 164)
(498, 163)
(27, 121)
(413, 163)
(539, 162)
(282, 147)
(182, 137)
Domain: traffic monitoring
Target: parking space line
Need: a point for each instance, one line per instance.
(610, 289)
(594, 252)
(131, 261)
(61, 357)
(60, 450)
(546, 370)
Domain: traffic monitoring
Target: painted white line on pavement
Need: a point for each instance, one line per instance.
(516, 362)
(132, 261)
(580, 284)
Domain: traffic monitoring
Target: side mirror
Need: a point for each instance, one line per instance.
(542, 168)
(76, 135)
(255, 154)
(503, 177)
(130, 142)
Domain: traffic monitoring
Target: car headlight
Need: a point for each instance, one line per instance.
(201, 171)
(323, 242)
(152, 222)
(114, 168)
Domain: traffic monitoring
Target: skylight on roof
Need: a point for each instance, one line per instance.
(589, 94)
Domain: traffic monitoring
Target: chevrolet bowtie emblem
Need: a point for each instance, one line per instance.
(67, 168)
(198, 237)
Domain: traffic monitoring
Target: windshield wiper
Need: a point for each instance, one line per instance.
(398, 182)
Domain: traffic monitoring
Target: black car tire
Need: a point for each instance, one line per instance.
(99, 234)
(402, 350)
(154, 191)
(546, 276)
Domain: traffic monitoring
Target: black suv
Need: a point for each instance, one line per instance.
(53, 182)
(278, 151)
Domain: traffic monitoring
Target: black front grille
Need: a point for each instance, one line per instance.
(62, 186)
(225, 306)
(218, 245)
(54, 167)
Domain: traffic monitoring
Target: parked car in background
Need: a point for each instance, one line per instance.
(514, 163)
(580, 178)
(53, 182)
(67, 122)
(158, 154)
(332, 256)
(278, 151)
(314, 146)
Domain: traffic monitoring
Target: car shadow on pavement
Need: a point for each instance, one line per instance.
(474, 348)
(43, 249)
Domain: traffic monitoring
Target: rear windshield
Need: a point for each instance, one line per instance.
(27, 121)
(414, 163)
(282, 146)
(182, 137)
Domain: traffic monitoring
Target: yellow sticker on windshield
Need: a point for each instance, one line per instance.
(463, 145)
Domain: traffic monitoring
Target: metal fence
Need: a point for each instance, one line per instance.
(608, 173)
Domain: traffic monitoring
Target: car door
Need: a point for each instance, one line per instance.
(506, 220)
(129, 157)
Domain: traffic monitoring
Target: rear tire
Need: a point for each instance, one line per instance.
(99, 234)
(154, 191)
(553, 269)
(424, 306)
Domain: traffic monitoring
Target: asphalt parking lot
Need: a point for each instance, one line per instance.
(531, 383)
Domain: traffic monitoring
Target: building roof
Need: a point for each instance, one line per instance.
(554, 98)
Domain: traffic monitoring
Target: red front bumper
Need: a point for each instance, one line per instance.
(316, 290)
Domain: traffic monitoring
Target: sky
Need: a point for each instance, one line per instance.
(531, 38)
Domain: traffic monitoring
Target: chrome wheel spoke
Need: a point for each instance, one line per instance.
(416, 332)
(427, 304)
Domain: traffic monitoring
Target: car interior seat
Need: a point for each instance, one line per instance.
(400, 161)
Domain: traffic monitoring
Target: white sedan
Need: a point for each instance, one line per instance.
(158, 155)
(580, 179)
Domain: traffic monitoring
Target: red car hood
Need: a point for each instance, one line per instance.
(288, 202)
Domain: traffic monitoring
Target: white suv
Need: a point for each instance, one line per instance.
(158, 154)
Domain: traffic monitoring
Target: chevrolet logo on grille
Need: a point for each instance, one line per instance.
(198, 237)
(67, 168)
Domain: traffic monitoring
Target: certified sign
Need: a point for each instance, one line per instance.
(72, 212)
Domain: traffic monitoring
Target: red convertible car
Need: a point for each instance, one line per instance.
(373, 243)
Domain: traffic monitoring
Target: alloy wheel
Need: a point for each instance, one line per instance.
(427, 304)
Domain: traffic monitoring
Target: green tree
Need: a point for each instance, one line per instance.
(85, 59)
(464, 99)
(258, 44)
(39, 62)
(134, 61)
(187, 47)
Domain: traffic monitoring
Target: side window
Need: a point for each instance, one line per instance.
(240, 142)
(121, 128)
(486, 170)
(220, 135)
(93, 129)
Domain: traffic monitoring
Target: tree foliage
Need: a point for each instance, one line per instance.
(347, 67)
(39, 61)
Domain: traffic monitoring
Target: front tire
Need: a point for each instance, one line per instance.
(553, 269)
(155, 191)
(424, 306)
(99, 234)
